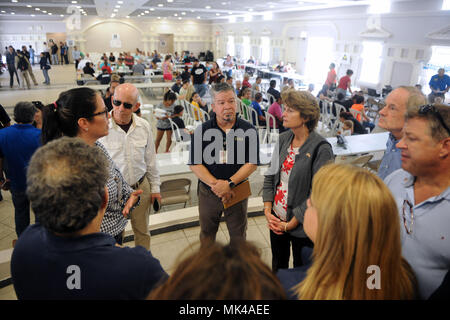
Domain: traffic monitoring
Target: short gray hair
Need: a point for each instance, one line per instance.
(221, 87)
(65, 184)
(24, 112)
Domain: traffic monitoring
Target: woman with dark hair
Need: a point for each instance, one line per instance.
(82, 113)
(214, 73)
(163, 124)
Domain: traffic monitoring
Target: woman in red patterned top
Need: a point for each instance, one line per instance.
(301, 152)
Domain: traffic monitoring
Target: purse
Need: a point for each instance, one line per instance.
(47, 67)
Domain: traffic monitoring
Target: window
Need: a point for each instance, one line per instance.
(246, 47)
(379, 6)
(265, 48)
(230, 46)
(371, 64)
(440, 58)
(319, 56)
(445, 5)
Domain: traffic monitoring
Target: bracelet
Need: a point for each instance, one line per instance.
(285, 227)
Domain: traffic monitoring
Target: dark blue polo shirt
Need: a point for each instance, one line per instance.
(239, 146)
(44, 266)
(17, 145)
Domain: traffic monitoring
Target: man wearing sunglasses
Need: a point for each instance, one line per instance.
(422, 192)
(130, 144)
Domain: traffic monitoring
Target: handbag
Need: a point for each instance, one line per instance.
(47, 67)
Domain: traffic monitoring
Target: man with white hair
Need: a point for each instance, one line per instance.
(131, 145)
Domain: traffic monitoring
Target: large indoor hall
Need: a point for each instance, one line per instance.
(224, 150)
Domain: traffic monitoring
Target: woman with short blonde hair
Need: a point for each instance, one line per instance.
(352, 218)
(299, 154)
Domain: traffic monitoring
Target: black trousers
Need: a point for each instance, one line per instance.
(12, 70)
(281, 250)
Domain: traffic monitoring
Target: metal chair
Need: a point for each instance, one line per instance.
(175, 191)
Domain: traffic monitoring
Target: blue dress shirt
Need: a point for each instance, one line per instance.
(392, 158)
(427, 246)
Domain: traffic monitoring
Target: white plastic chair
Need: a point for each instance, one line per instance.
(271, 134)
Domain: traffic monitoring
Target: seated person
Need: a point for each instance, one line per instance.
(112, 58)
(357, 126)
(251, 60)
(347, 128)
(139, 68)
(105, 65)
(186, 91)
(238, 86)
(177, 85)
(276, 111)
(220, 78)
(65, 256)
(359, 106)
(246, 95)
(256, 87)
(177, 115)
(280, 67)
(198, 104)
(229, 81)
(88, 69)
(221, 272)
(246, 82)
(192, 57)
(256, 105)
(104, 77)
(346, 103)
(272, 91)
(352, 219)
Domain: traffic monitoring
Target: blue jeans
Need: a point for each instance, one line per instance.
(367, 124)
(21, 210)
(200, 89)
(47, 79)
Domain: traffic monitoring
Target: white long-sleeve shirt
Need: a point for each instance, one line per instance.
(133, 152)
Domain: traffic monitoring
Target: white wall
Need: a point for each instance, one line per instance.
(408, 27)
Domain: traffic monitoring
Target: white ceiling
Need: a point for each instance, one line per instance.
(169, 9)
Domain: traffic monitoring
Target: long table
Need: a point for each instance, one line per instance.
(176, 162)
(142, 85)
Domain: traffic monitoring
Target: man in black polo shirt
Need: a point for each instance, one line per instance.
(65, 256)
(199, 77)
(224, 152)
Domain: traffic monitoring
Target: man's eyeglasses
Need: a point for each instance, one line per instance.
(408, 204)
(126, 105)
(429, 108)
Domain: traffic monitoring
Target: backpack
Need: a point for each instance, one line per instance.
(22, 64)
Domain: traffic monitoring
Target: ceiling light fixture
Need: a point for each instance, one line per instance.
(208, 7)
(160, 5)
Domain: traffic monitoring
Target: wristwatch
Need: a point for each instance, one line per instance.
(231, 183)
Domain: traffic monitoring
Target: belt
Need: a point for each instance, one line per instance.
(136, 185)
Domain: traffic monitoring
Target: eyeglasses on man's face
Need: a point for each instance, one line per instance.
(429, 108)
(118, 103)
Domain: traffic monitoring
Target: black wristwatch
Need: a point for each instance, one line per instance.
(231, 183)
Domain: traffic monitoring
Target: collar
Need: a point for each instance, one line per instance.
(115, 126)
(92, 240)
(23, 125)
(215, 125)
(408, 182)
